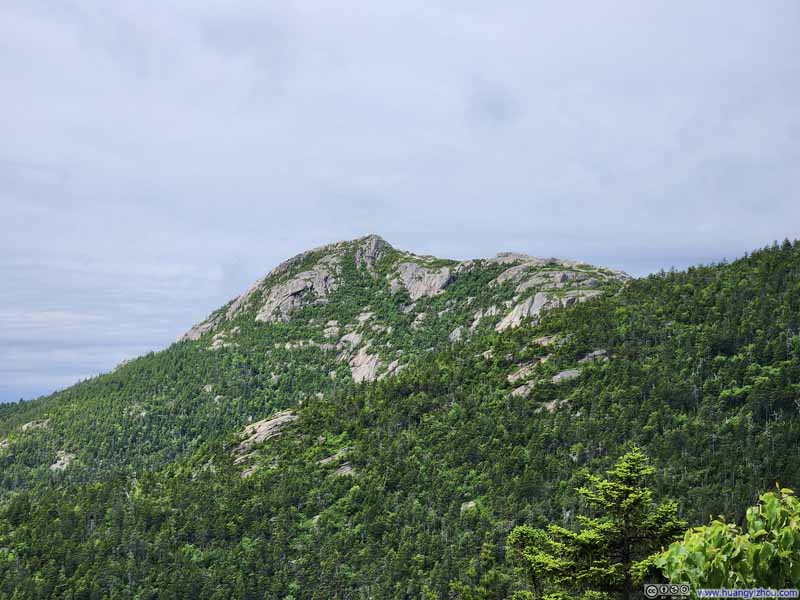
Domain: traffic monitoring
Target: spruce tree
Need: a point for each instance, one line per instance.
(611, 545)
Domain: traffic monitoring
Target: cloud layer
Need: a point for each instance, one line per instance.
(158, 157)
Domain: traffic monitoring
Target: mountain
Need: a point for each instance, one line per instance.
(364, 422)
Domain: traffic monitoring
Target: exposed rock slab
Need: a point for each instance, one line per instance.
(565, 375)
(523, 372)
(421, 281)
(531, 307)
(364, 366)
(261, 431)
(285, 298)
(370, 249)
(597, 355)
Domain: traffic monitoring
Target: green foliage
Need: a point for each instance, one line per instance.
(766, 553)
(600, 558)
(702, 374)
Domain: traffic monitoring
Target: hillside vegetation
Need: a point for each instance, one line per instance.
(318, 438)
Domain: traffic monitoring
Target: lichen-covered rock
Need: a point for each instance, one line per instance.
(421, 281)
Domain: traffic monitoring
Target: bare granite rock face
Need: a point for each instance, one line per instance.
(456, 334)
(530, 307)
(261, 431)
(364, 366)
(370, 250)
(196, 332)
(541, 301)
(421, 281)
(351, 339)
(287, 297)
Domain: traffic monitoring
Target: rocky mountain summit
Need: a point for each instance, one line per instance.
(370, 305)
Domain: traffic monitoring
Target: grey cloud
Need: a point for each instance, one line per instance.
(156, 158)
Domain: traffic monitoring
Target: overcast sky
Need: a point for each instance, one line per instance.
(157, 157)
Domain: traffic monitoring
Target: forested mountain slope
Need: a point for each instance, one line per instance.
(405, 486)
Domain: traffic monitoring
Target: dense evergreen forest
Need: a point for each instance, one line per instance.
(138, 484)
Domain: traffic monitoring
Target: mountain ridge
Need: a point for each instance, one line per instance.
(260, 460)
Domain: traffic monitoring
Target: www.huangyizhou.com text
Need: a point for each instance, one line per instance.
(746, 593)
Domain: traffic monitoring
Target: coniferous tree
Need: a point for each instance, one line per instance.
(602, 557)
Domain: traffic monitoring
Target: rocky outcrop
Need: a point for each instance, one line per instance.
(351, 339)
(540, 302)
(523, 372)
(528, 308)
(370, 249)
(41, 424)
(478, 316)
(345, 471)
(421, 281)
(334, 457)
(285, 298)
(456, 334)
(393, 368)
(522, 391)
(364, 366)
(63, 460)
(565, 375)
(261, 431)
(596, 356)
